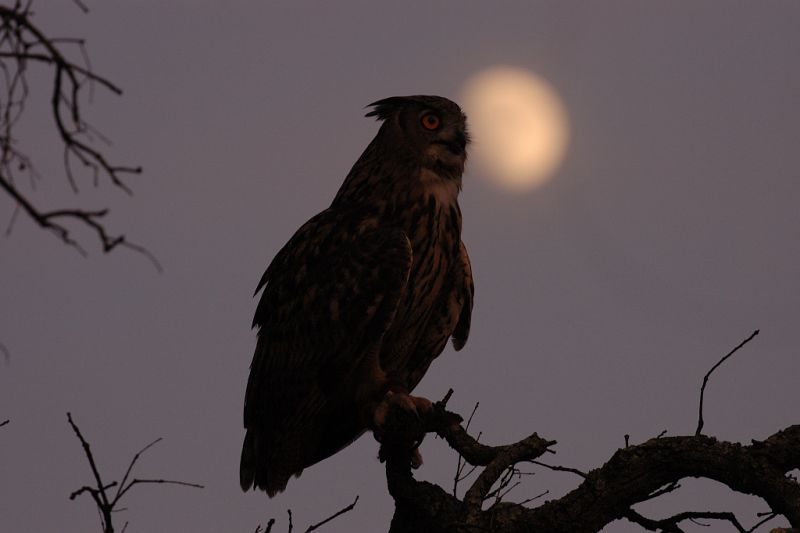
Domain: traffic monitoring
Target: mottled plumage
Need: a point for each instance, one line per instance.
(363, 297)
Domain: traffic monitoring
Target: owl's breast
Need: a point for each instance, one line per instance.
(434, 229)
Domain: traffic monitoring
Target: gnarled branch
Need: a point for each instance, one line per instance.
(22, 42)
(632, 475)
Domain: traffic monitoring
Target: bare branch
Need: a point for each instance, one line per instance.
(22, 43)
(91, 219)
(90, 457)
(671, 524)
(99, 493)
(333, 516)
(460, 463)
(632, 475)
(557, 468)
(270, 523)
(533, 498)
(708, 374)
(137, 481)
(130, 466)
(767, 518)
(663, 490)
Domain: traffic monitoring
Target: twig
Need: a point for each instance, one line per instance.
(99, 493)
(528, 500)
(700, 421)
(561, 468)
(504, 487)
(767, 518)
(663, 490)
(333, 516)
(671, 524)
(460, 463)
(443, 401)
(270, 523)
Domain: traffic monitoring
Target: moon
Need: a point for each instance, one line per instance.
(519, 126)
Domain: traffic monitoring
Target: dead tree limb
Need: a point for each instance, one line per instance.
(23, 43)
(632, 475)
(700, 421)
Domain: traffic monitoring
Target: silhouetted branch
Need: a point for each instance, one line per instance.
(634, 474)
(708, 374)
(107, 505)
(670, 525)
(23, 43)
(333, 516)
(270, 523)
(310, 528)
(460, 463)
(557, 468)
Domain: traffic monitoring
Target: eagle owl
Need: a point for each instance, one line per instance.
(362, 298)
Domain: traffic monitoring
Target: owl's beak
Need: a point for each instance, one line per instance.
(457, 145)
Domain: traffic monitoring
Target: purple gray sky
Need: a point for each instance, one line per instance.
(671, 231)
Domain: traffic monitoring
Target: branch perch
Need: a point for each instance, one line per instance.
(632, 475)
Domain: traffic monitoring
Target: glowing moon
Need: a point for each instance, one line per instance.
(518, 124)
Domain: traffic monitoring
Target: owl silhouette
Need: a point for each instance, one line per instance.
(362, 299)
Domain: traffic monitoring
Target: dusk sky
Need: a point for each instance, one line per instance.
(669, 232)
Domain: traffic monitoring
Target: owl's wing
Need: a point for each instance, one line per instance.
(464, 294)
(329, 296)
(451, 319)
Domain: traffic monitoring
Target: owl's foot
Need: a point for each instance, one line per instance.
(407, 404)
(398, 411)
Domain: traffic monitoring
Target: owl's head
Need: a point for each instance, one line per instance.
(431, 128)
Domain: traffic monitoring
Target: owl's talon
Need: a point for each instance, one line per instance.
(402, 400)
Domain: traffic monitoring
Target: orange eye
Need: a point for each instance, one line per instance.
(431, 121)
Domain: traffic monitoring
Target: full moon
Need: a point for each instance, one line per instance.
(518, 124)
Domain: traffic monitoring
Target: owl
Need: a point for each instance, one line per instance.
(362, 299)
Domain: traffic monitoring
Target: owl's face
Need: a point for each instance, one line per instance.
(430, 128)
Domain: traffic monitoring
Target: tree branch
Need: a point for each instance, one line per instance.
(632, 475)
(107, 505)
(700, 421)
(22, 42)
(333, 516)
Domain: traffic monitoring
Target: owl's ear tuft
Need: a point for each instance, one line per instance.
(383, 109)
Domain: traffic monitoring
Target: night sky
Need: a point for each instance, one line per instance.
(670, 232)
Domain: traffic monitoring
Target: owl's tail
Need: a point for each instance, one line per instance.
(255, 470)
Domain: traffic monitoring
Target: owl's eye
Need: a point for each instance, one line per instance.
(431, 121)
